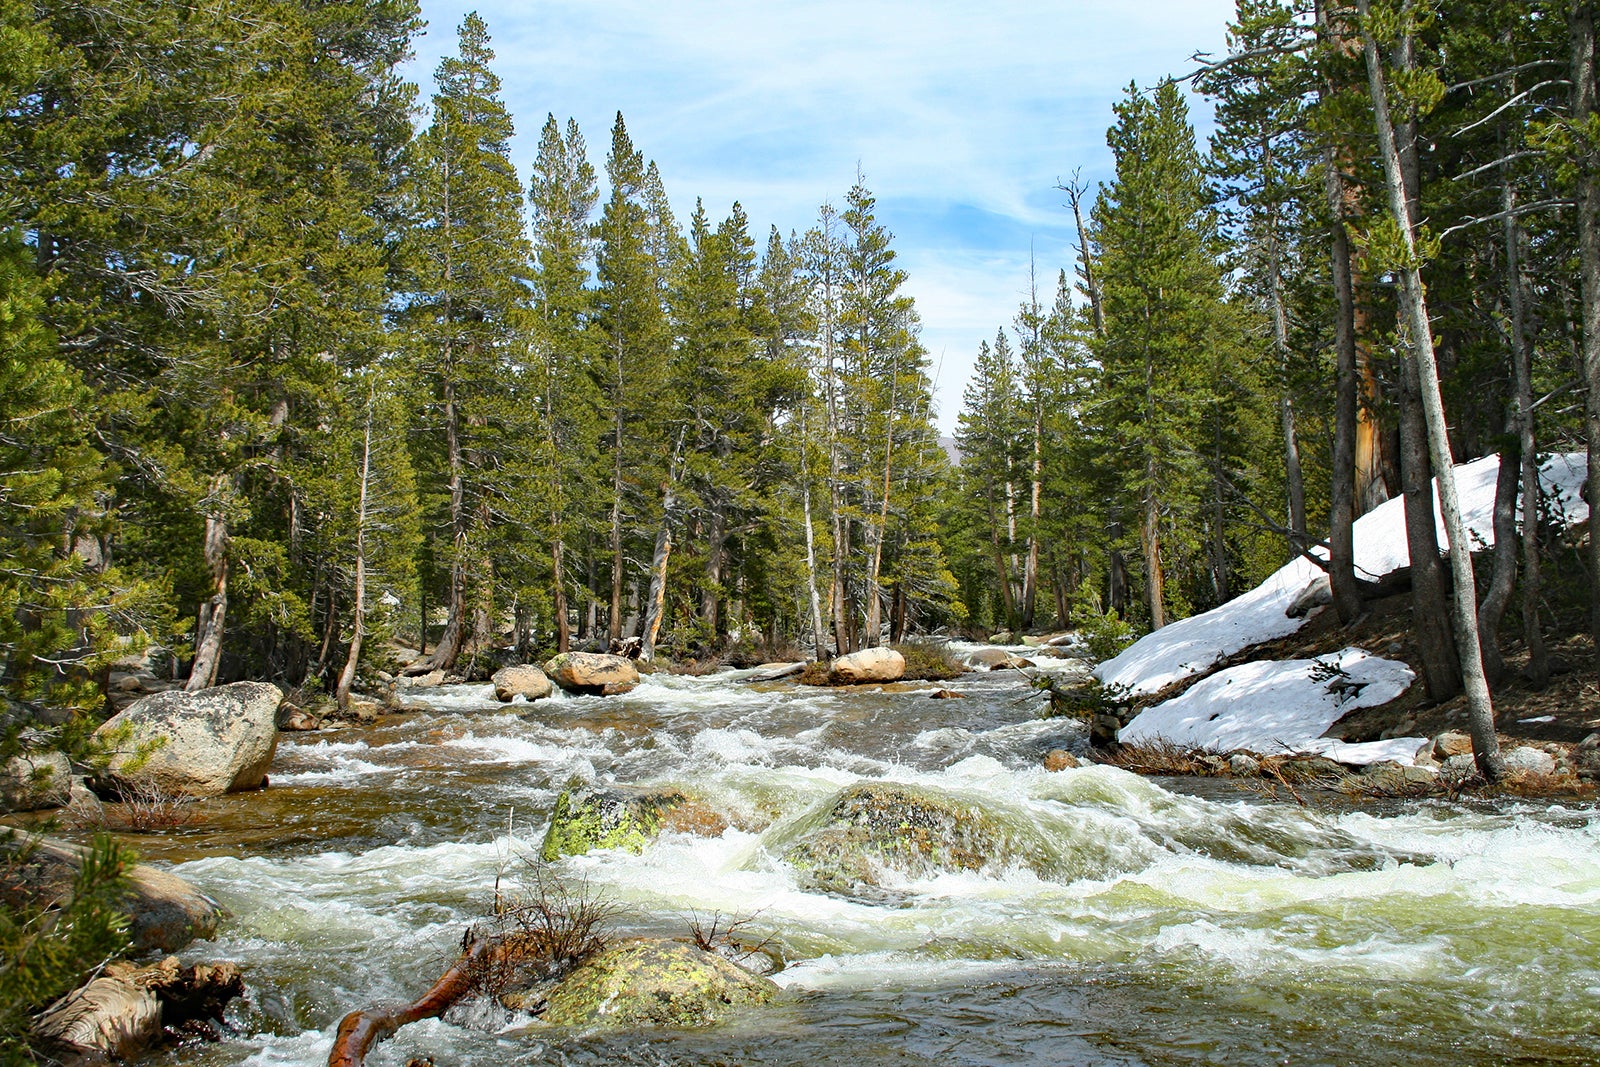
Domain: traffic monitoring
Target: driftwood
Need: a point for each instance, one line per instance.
(360, 1030)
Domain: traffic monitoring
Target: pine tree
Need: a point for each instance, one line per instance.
(467, 318)
(562, 194)
(1162, 291)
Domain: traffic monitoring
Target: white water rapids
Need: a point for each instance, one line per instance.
(1148, 926)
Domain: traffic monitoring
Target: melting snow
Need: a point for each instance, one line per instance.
(1262, 705)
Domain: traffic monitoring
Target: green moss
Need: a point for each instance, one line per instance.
(589, 819)
(654, 983)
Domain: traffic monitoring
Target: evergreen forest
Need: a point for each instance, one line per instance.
(295, 364)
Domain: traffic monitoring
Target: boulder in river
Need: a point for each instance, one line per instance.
(527, 681)
(868, 665)
(877, 829)
(201, 744)
(35, 780)
(165, 912)
(654, 983)
(628, 819)
(593, 673)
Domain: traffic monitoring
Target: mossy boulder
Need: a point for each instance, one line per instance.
(650, 983)
(876, 832)
(628, 819)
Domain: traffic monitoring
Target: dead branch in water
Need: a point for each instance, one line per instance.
(360, 1030)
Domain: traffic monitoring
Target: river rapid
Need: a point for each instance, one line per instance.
(1165, 925)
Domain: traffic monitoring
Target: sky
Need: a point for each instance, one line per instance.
(962, 118)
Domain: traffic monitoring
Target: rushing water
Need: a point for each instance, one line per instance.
(1161, 928)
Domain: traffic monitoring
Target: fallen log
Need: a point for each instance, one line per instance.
(362, 1029)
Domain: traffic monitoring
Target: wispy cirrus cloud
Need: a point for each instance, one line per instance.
(961, 116)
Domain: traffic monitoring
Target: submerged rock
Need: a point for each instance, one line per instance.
(628, 819)
(528, 682)
(878, 831)
(868, 665)
(654, 983)
(201, 744)
(593, 673)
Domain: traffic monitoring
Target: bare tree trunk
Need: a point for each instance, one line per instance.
(455, 627)
(658, 579)
(1150, 544)
(347, 676)
(818, 633)
(615, 622)
(1538, 669)
(214, 612)
(1341, 538)
(874, 588)
(1503, 576)
(1580, 33)
(1413, 299)
(711, 590)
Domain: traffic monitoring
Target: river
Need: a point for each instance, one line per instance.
(1171, 926)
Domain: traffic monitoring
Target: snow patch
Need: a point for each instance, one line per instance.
(1278, 706)
(1190, 646)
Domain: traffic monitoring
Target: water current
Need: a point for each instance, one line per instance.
(1163, 925)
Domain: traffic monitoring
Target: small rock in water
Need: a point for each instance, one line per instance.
(1059, 759)
(946, 694)
(1243, 765)
(593, 673)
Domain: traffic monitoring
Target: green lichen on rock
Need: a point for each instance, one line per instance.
(587, 819)
(875, 828)
(654, 983)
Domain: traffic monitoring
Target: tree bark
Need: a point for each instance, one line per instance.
(1413, 298)
(1580, 33)
(1341, 538)
(658, 579)
(358, 627)
(1538, 669)
(214, 612)
(454, 637)
(818, 632)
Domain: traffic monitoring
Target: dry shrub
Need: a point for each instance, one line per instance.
(144, 807)
(726, 936)
(547, 927)
(1159, 757)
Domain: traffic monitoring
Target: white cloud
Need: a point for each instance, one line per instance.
(977, 109)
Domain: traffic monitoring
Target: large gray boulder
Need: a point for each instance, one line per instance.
(654, 983)
(868, 665)
(35, 780)
(592, 673)
(165, 912)
(528, 682)
(201, 744)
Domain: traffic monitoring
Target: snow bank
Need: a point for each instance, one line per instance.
(1273, 706)
(1284, 706)
(1190, 646)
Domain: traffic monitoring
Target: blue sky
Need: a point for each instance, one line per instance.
(962, 117)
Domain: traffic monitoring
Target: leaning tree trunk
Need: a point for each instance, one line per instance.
(1413, 301)
(1503, 575)
(214, 612)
